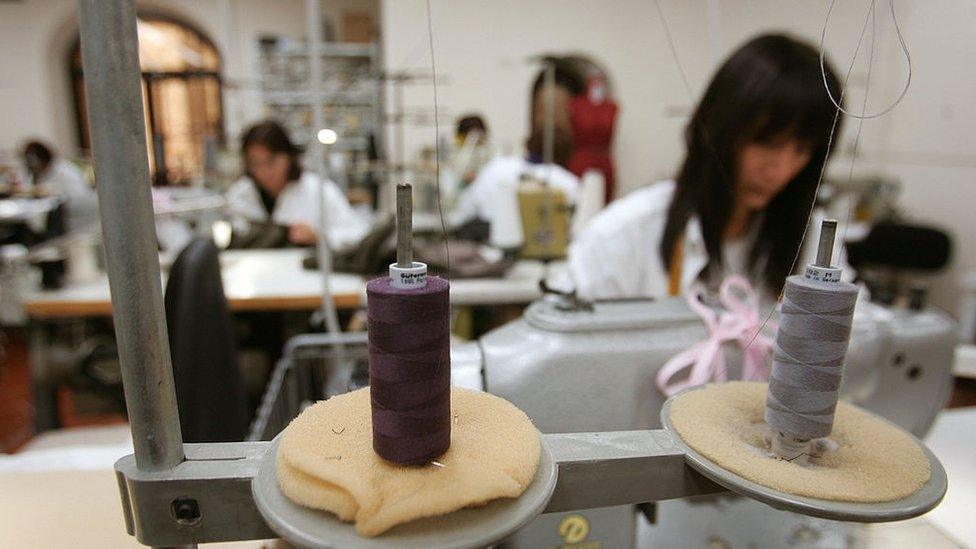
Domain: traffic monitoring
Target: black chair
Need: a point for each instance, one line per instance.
(895, 257)
(902, 247)
(209, 385)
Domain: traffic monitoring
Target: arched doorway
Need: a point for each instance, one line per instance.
(181, 88)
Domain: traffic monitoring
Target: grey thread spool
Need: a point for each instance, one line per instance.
(808, 361)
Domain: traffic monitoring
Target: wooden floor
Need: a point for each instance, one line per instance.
(17, 399)
(16, 410)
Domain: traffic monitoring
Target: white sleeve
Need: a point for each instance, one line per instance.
(469, 204)
(73, 184)
(601, 266)
(81, 198)
(466, 208)
(568, 183)
(344, 227)
(242, 204)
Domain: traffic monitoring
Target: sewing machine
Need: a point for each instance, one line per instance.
(545, 220)
(574, 369)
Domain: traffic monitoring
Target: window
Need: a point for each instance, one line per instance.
(181, 89)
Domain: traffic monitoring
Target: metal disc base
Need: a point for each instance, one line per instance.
(466, 528)
(922, 501)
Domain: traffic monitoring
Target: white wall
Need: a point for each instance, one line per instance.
(481, 47)
(481, 50)
(37, 36)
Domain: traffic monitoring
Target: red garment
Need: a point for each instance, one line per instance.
(593, 125)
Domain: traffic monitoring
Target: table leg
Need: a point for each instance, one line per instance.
(45, 393)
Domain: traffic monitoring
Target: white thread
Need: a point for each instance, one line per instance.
(823, 167)
(674, 51)
(904, 49)
(437, 141)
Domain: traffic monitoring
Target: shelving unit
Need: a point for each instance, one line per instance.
(350, 96)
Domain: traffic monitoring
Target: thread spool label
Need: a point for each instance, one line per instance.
(822, 274)
(409, 278)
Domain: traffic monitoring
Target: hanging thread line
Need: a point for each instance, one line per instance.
(904, 49)
(830, 142)
(437, 140)
(437, 180)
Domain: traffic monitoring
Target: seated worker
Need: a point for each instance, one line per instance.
(471, 149)
(54, 176)
(756, 146)
(477, 201)
(274, 203)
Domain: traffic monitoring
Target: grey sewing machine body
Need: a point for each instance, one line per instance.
(574, 370)
(577, 370)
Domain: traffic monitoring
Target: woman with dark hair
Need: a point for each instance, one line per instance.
(276, 197)
(756, 145)
(498, 180)
(53, 176)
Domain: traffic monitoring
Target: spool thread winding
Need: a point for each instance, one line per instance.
(410, 370)
(808, 357)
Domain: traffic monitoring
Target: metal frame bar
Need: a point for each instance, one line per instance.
(595, 470)
(214, 480)
(110, 57)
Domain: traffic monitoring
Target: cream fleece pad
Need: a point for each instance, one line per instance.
(875, 462)
(326, 461)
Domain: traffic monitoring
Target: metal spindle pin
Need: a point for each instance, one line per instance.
(825, 249)
(404, 212)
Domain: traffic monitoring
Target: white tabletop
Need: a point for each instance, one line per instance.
(275, 280)
(32, 211)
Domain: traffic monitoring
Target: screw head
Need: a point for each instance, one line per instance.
(185, 511)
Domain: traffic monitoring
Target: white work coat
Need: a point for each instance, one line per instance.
(64, 179)
(479, 201)
(618, 254)
(297, 204)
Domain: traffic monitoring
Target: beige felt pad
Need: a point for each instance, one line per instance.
(875, 461)
(326, 461)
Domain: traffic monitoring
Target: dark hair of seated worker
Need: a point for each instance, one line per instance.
(274, 137)
(568, 84)
(37, 157)
(471, 123)
(769, 94)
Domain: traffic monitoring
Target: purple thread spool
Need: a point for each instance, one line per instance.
(410, 369)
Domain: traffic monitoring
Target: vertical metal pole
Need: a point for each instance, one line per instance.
(400, 120)
(110, 56)
(548, 157)
(313, 28)
(338, 380)
(549, 127)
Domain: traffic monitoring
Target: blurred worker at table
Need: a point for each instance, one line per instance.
(51, 175)
(471, 148)
(756, 146)
(276, 202)
(480, 201)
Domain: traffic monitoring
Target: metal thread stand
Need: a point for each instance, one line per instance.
(110, 54)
